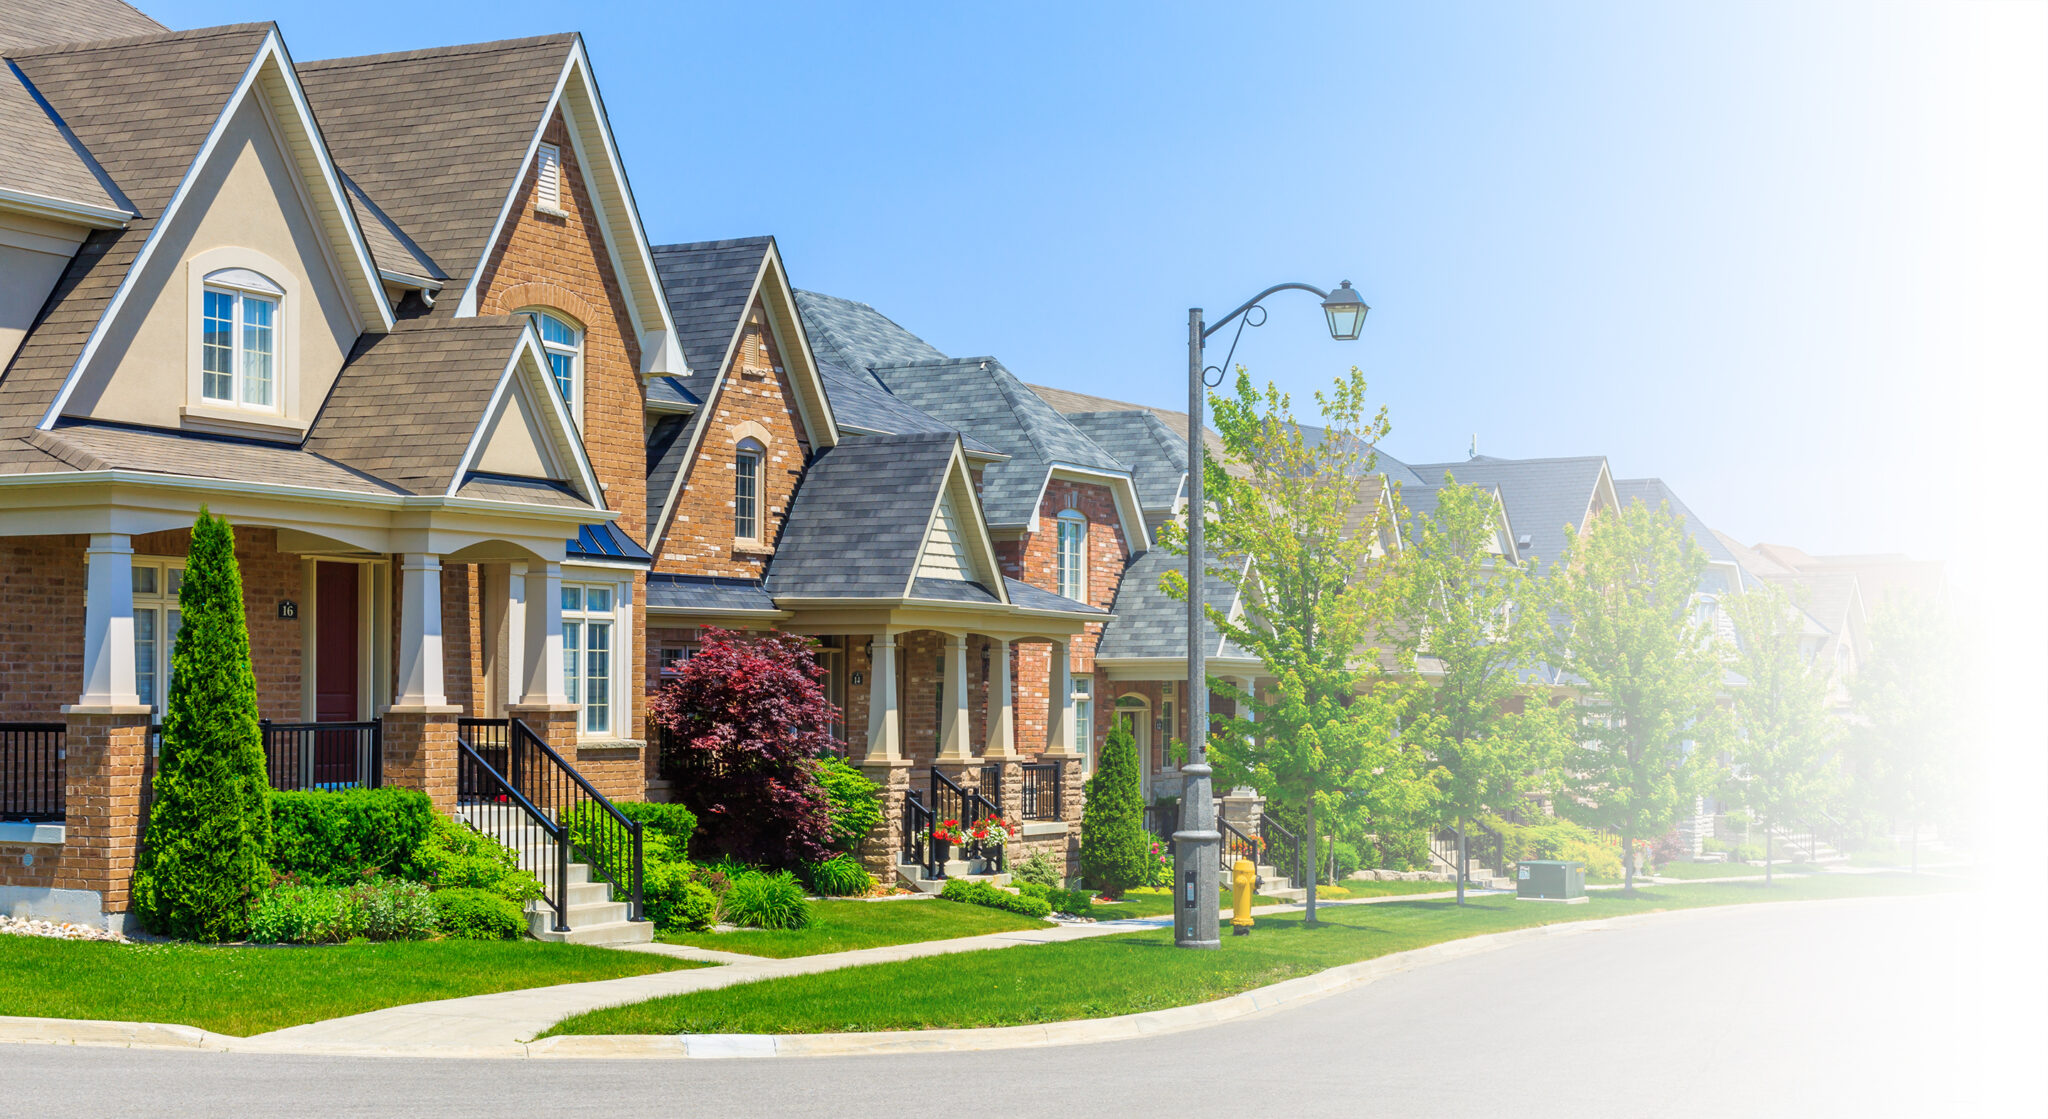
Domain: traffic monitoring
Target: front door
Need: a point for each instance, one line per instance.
(337, 697)
(1135, 715)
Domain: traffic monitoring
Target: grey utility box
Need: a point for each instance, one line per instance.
(1549, 880)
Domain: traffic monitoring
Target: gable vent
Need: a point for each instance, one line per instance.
(547, 191)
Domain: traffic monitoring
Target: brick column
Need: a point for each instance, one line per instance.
(105, 748)
(419, 751)
(884, 845)
(555, 723)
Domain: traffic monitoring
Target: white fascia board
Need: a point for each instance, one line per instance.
(64, 210)
(325, 496)
(956, 471)
(271, 52)
(1121, 485)
(814, 405)
(529, 351)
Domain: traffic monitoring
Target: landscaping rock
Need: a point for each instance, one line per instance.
(25, 926)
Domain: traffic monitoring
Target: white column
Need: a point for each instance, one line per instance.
(1059, 686)
(541, 648)
(1002, 705)
(420, 663)
(953, 727)
(110, 623)
(885, 726)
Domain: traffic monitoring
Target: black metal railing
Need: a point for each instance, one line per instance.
(992, 781)
(31, 771)
(951, 801)
(917, 825)
(1237, 845)
(1041, 783)
(1485, 848)
(324, 756)
(535, 796)
(1282, 848)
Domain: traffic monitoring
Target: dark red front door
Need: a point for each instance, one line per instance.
(336, 699)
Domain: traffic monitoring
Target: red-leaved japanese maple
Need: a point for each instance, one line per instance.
(743, 722)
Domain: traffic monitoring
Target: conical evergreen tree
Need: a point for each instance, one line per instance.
(207, 852)
(1115, 850)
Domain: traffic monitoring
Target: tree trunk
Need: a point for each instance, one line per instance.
(1628, 862)
(1463, 861)
(1767, 852)
(1313, 863)
(1916, 848)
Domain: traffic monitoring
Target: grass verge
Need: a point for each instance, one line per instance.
(843, 926)
(1140, 971)
(250, 990)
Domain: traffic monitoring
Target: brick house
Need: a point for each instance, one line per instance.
(403, 347)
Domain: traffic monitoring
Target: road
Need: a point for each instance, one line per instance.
(1822, 1009)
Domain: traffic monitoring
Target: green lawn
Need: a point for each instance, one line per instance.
(842, 926)
(248, 990)
(1160, 905)
(1140, 971)
(1716, 870)
(1388, 889)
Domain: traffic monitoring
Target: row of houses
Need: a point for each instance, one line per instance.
(491, 454)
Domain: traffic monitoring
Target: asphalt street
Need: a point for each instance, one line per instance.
(1866, 1008)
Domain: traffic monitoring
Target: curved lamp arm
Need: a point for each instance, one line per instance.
(1254, 301)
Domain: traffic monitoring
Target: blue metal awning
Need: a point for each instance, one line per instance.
(606, 542)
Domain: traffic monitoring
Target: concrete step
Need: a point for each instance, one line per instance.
(912, 877)
(540, 916)
(609, 933)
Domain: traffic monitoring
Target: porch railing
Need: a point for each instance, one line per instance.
(949, 801)
(992, 781)
(1041, 786)
(1282, 849)
(1237, 845)
(31, 771)
(324, 756)
(533, 795)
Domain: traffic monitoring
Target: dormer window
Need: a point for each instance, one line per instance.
(238, 344)
(563, 342)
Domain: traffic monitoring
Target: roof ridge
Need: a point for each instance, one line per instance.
(726, 243)
(450, 51)
(84, 45)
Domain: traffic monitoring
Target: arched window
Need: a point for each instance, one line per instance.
(1073, 555)
(563, 341)
(746, 490)
(238, 339)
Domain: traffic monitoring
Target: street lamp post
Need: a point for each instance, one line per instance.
(1197, 843)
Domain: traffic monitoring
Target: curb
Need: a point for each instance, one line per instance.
(1153, 1023)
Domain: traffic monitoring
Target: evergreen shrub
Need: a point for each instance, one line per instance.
(463, 913)
(1115, 850)
(1038, 869)
(337, 838)
(994, 897)
(853, 804)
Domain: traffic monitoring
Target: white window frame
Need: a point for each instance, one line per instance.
(1084, 720)
(578, 621)
(748, 449)
(242, 287)
(1070, 562)
(157, 623)
(556, 348)
(547, 180)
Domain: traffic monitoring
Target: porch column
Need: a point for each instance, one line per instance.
(885, 723)
(542, 648)
(1059, 721)
(109, 623)
(1002, 707)
(421, 681)
(953, 727)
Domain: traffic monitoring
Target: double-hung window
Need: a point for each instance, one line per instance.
(1072, 549)
(746, 491)
(587, 621)
(154, 584)
(238, 340)
(1084, 721)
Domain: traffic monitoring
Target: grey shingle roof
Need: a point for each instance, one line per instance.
(707, 284)
(437, 137)
(1139, 439)
(36, 159)
(1027, 597)
(1542, 495)
(669, 394)
(686, 592)
(1652, 492)
(667, 445)
(856, 337)
(865, 407)
(1068, 402)
(951, 590)
(141, 107)
(532, 491)
(858, 518)
(1150, 624)
(407, 402)
(26, 24)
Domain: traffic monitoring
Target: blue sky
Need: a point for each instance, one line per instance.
(1788, 260)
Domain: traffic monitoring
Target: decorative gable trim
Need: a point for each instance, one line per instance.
(575, 95)
(271, 71)
(1124, 491)
(956, 524)
(526, 373)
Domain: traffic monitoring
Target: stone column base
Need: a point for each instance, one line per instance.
(419, 751)
(884, 845)
(1072, 786)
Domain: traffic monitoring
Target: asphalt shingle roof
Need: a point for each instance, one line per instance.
(36, 159)
(1027, 597)
(1542, 495)
(1653, 492)
(92, 446)
(27, 24)
(856, 337)
(864, 407)
(1139, 439)
(667, 445)
(858, 518)
(389, 246)
(1149, 623)
(707, 284)
(686, 592)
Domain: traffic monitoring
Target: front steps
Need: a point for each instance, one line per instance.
(911, 876)
(592, 916)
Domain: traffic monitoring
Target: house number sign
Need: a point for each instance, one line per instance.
(287, 609)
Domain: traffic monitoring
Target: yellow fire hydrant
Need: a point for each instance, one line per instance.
(1244, 877)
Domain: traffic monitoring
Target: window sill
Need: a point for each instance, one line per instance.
(228, 421)
(752, 548)
(551, 211)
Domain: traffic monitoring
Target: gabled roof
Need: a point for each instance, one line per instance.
(1068, 403)
(847, 537)
(856, 337)
(27, 24)
(709, 285)
(149, 110)
(1150, 625)
(1542, 495)
(42, 172)
(863, 407)
(398, 256)
(97, 446)
(1158, 458)
(1653, 492)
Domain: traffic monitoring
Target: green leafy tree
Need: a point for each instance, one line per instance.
(207, 851)
(1785, 736)
(1648, 675)
(1307, 514)
(1115, 851)
(1905, 752)
(1471, 627)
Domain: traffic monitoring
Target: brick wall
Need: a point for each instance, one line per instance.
(42, 627)
(1034, 559)
(755, 401)
(276, 645)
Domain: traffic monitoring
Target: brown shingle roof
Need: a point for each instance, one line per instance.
(142, 107)
(92, 446)
(27, 24)
(408, 402)
(438, 137)
(34, 156)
